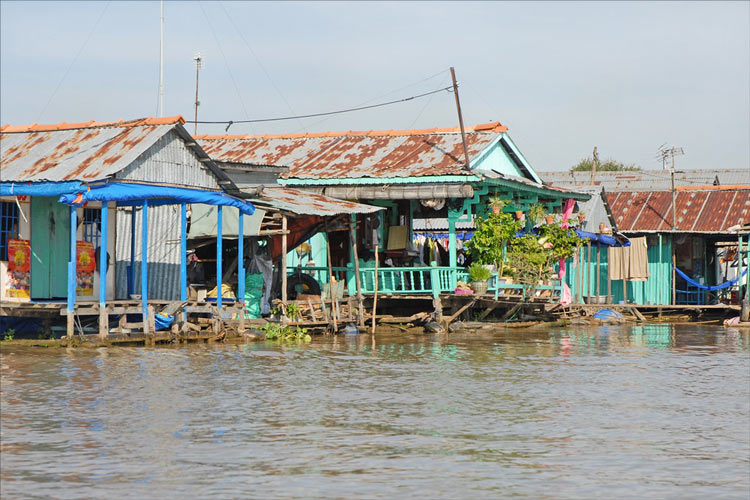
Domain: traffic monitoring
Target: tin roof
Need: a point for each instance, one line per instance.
(307, 203)
(646, 180)
(378, 154)
(77, 151)
(708, 209)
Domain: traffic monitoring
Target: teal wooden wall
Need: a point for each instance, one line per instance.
(657, 290)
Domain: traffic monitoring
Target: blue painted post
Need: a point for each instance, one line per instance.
(241, 260)
(219, 237)
(72, 282)
(144, 267)
(131, 269)
(434, 279)
(183, 252)
(103, 316)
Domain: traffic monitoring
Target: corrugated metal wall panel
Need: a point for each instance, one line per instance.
(656, 290)
(163, 252)
(170, 161)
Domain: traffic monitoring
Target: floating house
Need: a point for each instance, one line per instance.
(95, 212)
(695, 249)
(414, 175)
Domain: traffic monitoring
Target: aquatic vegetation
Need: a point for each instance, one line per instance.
(286, 334)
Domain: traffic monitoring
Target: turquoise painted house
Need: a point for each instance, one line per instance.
(416, 174)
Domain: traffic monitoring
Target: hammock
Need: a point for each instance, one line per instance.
(724, 285)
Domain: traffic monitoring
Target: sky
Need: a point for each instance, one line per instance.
(564, 77)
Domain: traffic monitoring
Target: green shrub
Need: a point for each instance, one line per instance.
(477, 272)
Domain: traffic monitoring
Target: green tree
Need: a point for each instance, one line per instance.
(587, 164)
(493, 231)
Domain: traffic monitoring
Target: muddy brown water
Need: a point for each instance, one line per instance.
(647, 412)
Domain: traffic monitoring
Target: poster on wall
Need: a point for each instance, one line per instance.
(85, 266)
(19, 269)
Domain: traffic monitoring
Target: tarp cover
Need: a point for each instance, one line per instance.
(203, 219)
(133, 194)
(39, 188)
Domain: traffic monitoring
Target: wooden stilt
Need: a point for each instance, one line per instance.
(375, 296)
(358, 280)
(331, 281)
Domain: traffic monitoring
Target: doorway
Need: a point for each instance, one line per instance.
(50, 248)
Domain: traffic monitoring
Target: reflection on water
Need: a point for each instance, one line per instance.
(611, 412)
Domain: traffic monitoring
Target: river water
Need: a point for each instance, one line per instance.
(613, 412)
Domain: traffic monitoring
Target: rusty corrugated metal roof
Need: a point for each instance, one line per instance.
(646, 180)
(306, 203)
(701, 209)
(76, 151)
(378, 154)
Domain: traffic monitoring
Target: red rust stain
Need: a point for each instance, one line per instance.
(81, 170)
(62, 150)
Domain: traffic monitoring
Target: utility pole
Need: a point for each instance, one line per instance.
(460, 118)
(663, 154)
(595, 165)
(198, 64)
(161, 62)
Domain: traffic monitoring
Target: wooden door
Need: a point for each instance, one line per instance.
(50, 248)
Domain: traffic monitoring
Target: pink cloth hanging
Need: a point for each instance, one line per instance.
(566, 297)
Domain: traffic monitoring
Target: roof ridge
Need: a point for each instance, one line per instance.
(138, 122)
(496, 127)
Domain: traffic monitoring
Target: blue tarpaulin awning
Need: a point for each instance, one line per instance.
(128, 194)
(40, 188)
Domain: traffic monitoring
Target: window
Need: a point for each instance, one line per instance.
(8, 226)
(92, 225)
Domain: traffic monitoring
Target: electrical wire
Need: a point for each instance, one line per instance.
(425, 106)
(67, 71)
(257, 59)
(328, 113)
(226, 63)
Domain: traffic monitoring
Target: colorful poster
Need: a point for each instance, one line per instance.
(85, 266)
(19, 269)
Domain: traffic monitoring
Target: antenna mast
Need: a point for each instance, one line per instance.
(198, 64)
(161, 62)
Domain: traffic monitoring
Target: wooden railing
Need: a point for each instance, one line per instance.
(426, 280)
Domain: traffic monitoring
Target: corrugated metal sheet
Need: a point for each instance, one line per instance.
(168, 160)
(163, 252)
(380, 154)
(647, 180)
(697, 210)
(86, 152)
(307, 203)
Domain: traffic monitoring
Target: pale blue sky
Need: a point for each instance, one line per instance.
(564, 77)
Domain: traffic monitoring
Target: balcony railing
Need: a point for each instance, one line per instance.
(427, 280)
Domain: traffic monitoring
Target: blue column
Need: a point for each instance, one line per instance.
(144, 262)
(241, 259)
(103, 256)
(131, 269)
(183, 252)
(219, 237)
(72, 281)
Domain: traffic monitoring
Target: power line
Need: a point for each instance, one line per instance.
(257, 59)
(229, 123)
(67, 71)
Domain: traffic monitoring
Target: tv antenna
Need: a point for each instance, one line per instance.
(664, 153)
(198, 66)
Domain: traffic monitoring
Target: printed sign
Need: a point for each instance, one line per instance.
(85, 266)
(19, 269)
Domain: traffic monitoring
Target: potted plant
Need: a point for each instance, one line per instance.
(519, 214)
(497, 204)
(536, 213)
(479, 275)
(549, 219)
(581, 217)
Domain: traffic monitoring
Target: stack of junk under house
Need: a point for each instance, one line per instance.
(136, 231)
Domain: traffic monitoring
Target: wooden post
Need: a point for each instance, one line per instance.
(659, 274)
(610, 297)
(579, 277)
(331, 280)
(144, 268)
(183, 252)
(598, 271)
(241, 269)
(72, 281)
(375, 297)
(103, 316)
(674, 264)
(219, 255)
(283, 262)
(357, 278)
(588, 270)
(624, 282)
